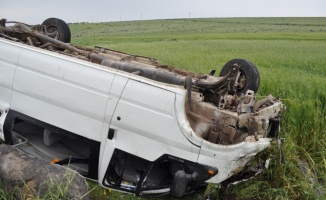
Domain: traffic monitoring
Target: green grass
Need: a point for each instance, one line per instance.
(200, 29)
(54, 191)
(290, 54)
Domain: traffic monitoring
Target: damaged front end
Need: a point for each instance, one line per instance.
(242, 119)
(234, 128)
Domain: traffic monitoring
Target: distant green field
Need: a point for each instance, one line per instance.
(290, 54)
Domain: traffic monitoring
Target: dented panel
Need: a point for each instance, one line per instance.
(237, 121)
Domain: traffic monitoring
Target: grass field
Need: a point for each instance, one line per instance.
(290, 54)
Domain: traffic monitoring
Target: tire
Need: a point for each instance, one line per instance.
(54, 24)
(249, 78)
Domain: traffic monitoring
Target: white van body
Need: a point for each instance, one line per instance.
(127, 128)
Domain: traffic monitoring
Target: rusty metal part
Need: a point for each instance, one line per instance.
(151, 73)
(183, 72)
(247, 102)
(224, 126)
(262, 102)
(58, 43)
(241, 81)
(188, 86)
(211, 83)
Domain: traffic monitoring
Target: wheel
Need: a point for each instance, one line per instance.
(249, 78)
(54, 25)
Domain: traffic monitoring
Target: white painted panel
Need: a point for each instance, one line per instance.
(107, 147)
(61, 92)
(118, 86)
(148, 126)
(66, 69)
(228, 159)
(8, 60)
(58, 116)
